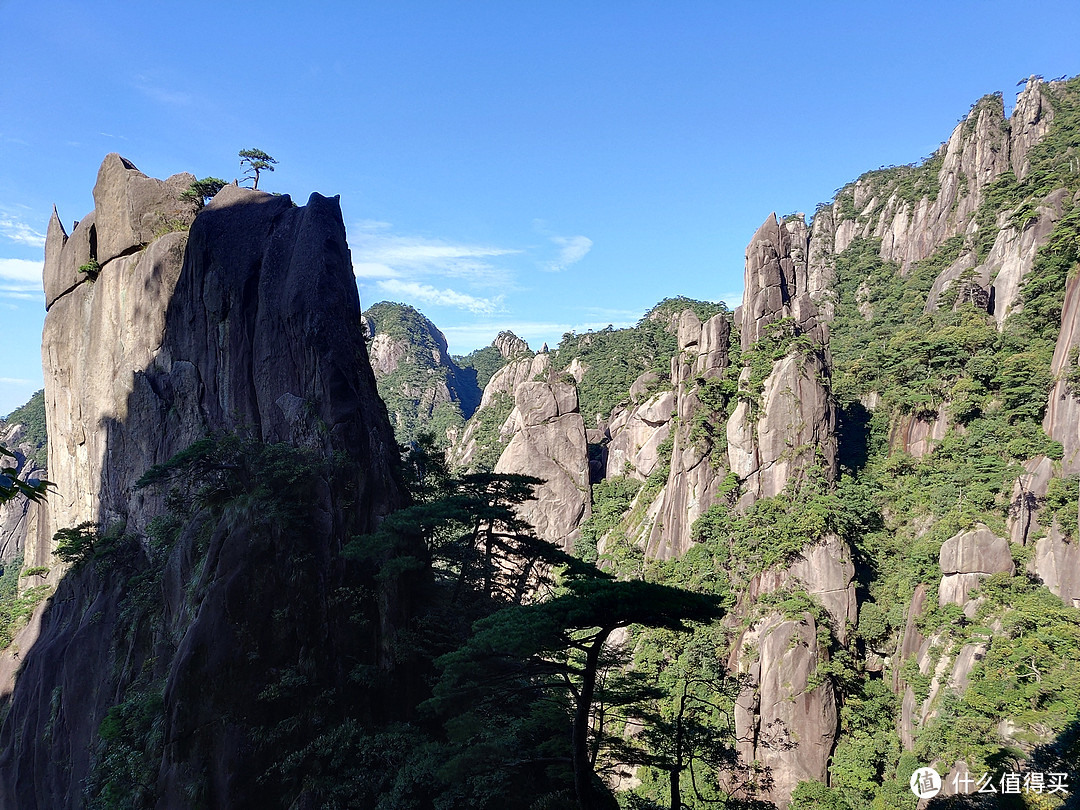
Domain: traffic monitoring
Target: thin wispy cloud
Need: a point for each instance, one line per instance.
(380, 253)
(414, 291)
(20, 278)
(163, 95)
(15, 230)
(15, 381)
(732, 299)
(572, 249)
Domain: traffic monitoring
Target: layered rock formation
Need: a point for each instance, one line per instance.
(249, 324)
(510, 346)
(694, 475)
(778, 281)
(488, 432)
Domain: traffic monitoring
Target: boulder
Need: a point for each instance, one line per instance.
(978, 551)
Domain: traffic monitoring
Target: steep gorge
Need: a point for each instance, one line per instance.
(885, 425)
(872, 464)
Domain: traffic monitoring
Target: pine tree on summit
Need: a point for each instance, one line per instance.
(257, 161)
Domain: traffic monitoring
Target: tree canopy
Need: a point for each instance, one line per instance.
(256, 161)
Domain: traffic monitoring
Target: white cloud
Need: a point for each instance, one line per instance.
(21, 271)
(379, 253)
(19, 232)
(427, 294)
(572, 249)
(15, 381)
(374, 270)
(20, 279)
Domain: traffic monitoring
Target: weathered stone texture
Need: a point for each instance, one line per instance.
(549, 443)
(1062, 419)
(131, 209)
(781, 722)
(250, 323)
(777, 281)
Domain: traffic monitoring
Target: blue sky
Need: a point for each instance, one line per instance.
(536, 166)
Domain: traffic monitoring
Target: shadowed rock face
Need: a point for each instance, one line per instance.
(250, 322)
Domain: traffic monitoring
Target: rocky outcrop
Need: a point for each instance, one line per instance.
(1056, 560)
(826, 572)
(131, 209)
(248, 324)
(794, 429)
(510, 346)
(1062, 419)
(778, 281)
(917, 435)
(422, 386)
(1028, 124)
(966, 559)
(982, 147)
(548, 442)
(638, 433)
(20, 518)
(495, 407)
(511, 376)
(1057, 564)
(995, 282)
(694, 475)
(783, 429)
(783, 721)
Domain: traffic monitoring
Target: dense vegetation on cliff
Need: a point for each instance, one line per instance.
(614, 358)
(793, 552)
(423, 388)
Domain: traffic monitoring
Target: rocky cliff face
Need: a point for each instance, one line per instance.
(971, 245)
(20, 519)
(528, 423)
(246, 324)
(423, 387)
(548, 442)
(868, 422)
(1062, 420)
